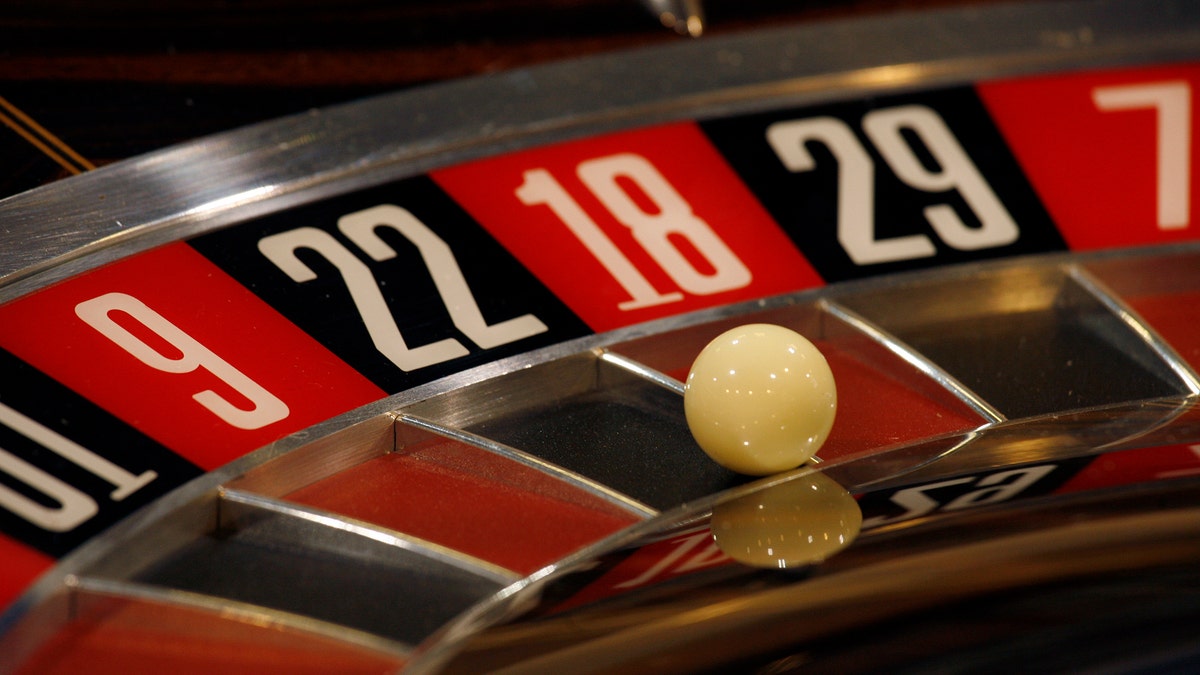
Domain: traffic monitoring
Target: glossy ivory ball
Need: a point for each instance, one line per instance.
(760, 399)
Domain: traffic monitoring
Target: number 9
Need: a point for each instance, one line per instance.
(957, 172)
(267, 408)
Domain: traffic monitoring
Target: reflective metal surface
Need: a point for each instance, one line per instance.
(398, 530)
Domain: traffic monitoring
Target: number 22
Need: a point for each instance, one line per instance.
(448, 278)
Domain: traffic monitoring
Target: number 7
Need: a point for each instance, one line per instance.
(1173, 103)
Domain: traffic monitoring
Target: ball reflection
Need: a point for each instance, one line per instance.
(802, 521)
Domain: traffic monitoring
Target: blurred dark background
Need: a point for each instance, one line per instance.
(87, 83)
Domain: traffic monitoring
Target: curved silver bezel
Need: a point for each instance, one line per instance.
(66, 228)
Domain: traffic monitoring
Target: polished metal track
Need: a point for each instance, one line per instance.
(71, 227)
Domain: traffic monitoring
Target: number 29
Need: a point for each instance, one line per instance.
(856, 182)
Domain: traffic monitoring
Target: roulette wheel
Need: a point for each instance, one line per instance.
(398, 384)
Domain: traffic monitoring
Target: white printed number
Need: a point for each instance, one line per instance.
(1172, 101)
(74, 506)
(990, 489)
(856, 181)
(265, 407)
(672, 216)
(360, 228)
